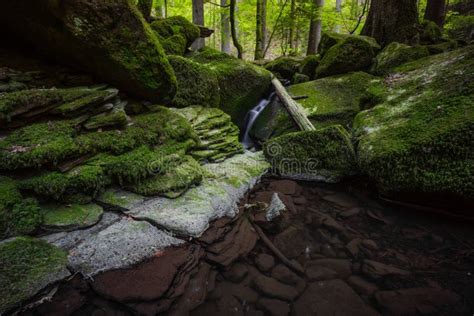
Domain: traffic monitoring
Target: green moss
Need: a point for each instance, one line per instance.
(116, 117)
(176, 25)
(175, 176)
(197, 84)
(396, 54)
(64, 217)
(175, 45)
(421, 138)
(241, 84)
(330, 39)
(430, 33)
(326, 154)
(460, 27)
(444, 47)
(353, 54)
(284, 67)
(27, 265)
(16, 103)
(38, 144)
(90, 98)
(309, 64)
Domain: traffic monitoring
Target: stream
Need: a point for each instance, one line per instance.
(250, 119)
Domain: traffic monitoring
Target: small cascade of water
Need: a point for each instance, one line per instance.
(250, 119)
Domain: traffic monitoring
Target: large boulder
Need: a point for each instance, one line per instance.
(309, 64)
(241, 84)
(352, 54)
(328, 101)
(329, 39)
(323, 155)
(284, 67)
(109, 39)
(420, 141)
(176, 34)
(396, 54)
(197, 83)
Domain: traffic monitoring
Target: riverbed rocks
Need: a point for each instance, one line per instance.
(85, 34)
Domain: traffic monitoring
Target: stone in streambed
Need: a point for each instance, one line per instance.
(376, 270)
(273, 307)
(28, 266)
(272, 288)
(264, 262)
(88, 35)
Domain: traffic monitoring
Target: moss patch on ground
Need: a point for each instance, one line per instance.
(421, 139)
(326, 154)
(26, 266)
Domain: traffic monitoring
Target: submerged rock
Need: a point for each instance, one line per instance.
(322, 155)
(421, 141)
(241, 84)
(396, 54)
(28, 266)
(87, 34)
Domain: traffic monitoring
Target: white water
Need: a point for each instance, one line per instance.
(250, 119)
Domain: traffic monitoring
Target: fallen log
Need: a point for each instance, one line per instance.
(295, 110)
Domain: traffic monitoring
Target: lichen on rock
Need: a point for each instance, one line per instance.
(421, 138)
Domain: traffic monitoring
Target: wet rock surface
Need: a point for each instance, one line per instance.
(405, 264)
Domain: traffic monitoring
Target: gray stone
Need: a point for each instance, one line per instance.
(275, 208)
(217, 196)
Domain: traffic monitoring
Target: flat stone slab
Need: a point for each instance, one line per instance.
(217, 196)
(113, 243)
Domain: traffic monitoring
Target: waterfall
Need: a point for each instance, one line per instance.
(250, 119)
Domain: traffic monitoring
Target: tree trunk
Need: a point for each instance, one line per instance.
(436, 11)
(292, 31)
(392, 21)
(145, 7)
(260, 29)
(315, 27)
(233, 29)
(337, 27)
(225, 28)
(198, 18)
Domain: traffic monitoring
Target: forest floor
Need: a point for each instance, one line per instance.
(348, 254)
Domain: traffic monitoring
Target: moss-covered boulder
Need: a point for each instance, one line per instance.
(109, 39)
(445, 46)
(329, 39)
(284, 67)
(328, 101)
(460, 28)
(218, 136)
(176, 26)
(27, 266)
(430, 33)
(70, 217)
(396, 54)
(323, 155)
(421, 139)
(352, 54)
(197, 83)
(241, 84)
(18, 216)
(309, 64)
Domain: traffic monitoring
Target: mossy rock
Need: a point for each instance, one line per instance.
(444, 47)
(176, 25)
(27, 266)
(219, 137)
(323, 155)
(109, 39)
(329, 101)
(460, 28)
(352, 54)
(116, 117)
(330, 39)
(173, 179)
(241, 84)
(299, 78)
(175, 45)
(396, 54)
(20, 104)
(284, 67)
(430, 33)
(309, 64)
(197, 83)
(421, 139)
(70, 217)
(18, 216)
